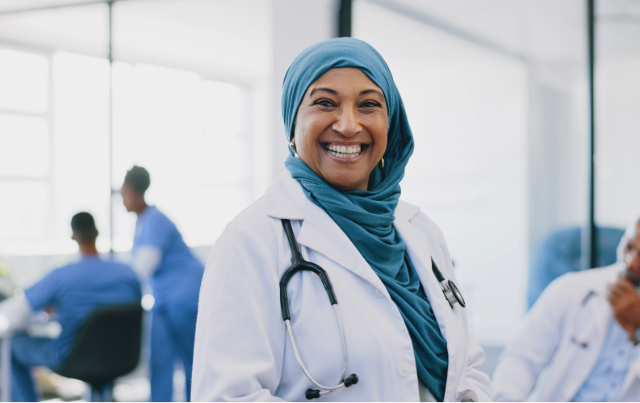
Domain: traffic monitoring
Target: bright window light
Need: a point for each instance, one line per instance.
(23, 210)
(24, 146)
(23, 81)
(191, 134)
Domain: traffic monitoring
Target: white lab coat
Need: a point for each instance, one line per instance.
(242, 351)
(573, 307)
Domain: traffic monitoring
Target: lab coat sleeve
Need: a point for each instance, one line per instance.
(239, 346)
(533, 348)
(476, 385)
(14, 314)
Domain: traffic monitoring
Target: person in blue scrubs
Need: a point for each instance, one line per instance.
(161, 257)
(75, 291)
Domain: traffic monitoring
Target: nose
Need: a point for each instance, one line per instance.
(348, 122)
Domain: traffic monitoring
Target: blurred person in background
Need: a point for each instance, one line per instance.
(338, 202)
(74, 291)
(162, 260)
(584, 331)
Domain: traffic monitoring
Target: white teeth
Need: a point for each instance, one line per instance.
(344, 151)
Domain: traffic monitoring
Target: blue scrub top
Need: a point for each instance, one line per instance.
(177, 279)
(78, 289)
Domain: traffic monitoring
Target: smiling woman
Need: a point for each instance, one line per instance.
(336, 214)
(341, 128)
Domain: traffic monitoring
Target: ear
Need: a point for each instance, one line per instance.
(73, 236)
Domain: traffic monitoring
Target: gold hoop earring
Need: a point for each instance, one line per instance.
(382, 163)
(293, 147)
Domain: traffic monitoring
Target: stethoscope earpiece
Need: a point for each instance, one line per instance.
(351, 380)
(315, 393)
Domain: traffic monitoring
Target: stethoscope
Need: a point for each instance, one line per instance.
(582, 343)
(451, 293)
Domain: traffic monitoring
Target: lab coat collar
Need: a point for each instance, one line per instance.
(285, 199)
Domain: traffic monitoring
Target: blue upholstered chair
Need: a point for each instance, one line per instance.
(561, 253)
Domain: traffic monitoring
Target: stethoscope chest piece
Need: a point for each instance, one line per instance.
(299, 264)
(449, 289)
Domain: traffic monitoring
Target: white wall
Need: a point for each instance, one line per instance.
(467, 107)
(618, 140)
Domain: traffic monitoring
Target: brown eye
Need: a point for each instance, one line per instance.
(324, 102)
(370, 104)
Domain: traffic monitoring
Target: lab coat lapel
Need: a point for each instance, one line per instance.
(598, 315)
(320, 233)
(286, 199)
(420, 254)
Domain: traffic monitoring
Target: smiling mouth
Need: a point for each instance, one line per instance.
(341, 151)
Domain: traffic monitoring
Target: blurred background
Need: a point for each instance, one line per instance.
(497, 94)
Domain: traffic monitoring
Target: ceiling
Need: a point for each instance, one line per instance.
(547, 30)
(227, 39)
(233, 37)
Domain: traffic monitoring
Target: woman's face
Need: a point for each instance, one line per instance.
(341, 128)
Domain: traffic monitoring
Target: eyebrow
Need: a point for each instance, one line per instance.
(334, 92)
(370, 91)
(329, 90)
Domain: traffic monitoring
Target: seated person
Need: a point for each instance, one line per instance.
(561, 253)
(74, 291)
(584, 332)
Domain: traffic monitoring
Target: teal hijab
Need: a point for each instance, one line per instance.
(366, 216)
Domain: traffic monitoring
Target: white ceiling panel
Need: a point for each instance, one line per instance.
(545, 30)
(82, 29)
(216, 37)
(12, 6)
(223, 38)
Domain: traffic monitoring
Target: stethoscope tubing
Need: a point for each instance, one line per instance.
(328, 389)
(299, 264)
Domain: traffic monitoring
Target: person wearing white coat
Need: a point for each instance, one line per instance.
(342, 132)
(579, 342)
(242, 350)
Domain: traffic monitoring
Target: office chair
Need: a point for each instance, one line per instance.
(107, 346)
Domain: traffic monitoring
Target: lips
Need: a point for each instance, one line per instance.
(345, 151)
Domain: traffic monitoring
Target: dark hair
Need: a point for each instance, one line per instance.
(138, 178)
(84, 227)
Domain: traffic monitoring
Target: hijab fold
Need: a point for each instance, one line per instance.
(366, 216)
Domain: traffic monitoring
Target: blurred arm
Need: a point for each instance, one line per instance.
(14, 314)
(146, 261)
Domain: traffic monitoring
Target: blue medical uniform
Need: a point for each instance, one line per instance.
(75, 291)
(176, 286)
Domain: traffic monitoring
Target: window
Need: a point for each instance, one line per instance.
(25, 145)
(191, 133)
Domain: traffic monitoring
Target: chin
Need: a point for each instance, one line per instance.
(342, 183)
